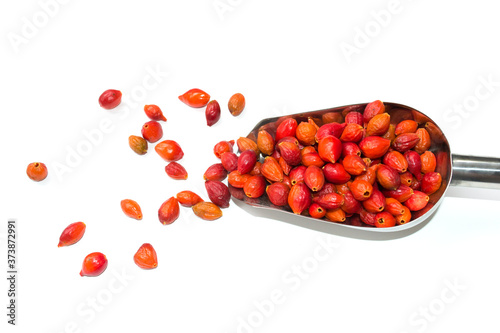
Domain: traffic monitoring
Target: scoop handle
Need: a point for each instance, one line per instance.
(473, 171)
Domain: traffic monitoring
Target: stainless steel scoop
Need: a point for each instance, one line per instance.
(456, 170)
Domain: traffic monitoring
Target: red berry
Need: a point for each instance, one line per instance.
(94, 264)
(110, 99)
(152, 131)
(154, 112)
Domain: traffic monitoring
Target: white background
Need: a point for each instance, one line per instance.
(285, 57)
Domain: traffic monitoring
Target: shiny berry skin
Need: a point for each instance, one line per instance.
(94, 264)
(154, 112)
(316, 211)
(212, 112)
(72, 234)
(152, 131)
(110, 99)
(195, 98)
(169, 150)
(385, 220)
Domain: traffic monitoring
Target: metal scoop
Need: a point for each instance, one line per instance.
(456, 170)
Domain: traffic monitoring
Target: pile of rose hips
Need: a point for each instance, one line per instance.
(356, 164)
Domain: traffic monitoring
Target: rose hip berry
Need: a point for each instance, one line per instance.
(176, 171)
(406, 126)
(373, 109)
(297, 174)
(238, 180)
(354, 118)
(316, 211)
(37, 171)
(335, 173)
(131, 208)
(154, 112)
(314, 178)
(401, 194)
(169, 211)
(110, 99)
(417, 201)
(290, 152)
(385, 220)
(278, 193)
(265, 142)
(229, 161)
(272, 170)
(207, 211)
(247, 144)
(246, 161)
(431, 182)
(152, 131)
(335, 215)
(286, 128)
(146, 257)
(352, 133)
(212, 113)
(299, 198)
(361, 189)
(405, 217)
(215, 172)
(354, 165)
(138, 144)
(169, 150)
(350, 205)
(223, 147)
(306, 133)
(94, 264)
(218, 193)
(255, 186)
(394, 207)
(329, 201)
(331, 117)
(188, 198)
(236, 104)
(428, 162)
(379, 124)
(330, 149)
(195, 98)
(72, 234)
(375, 203)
